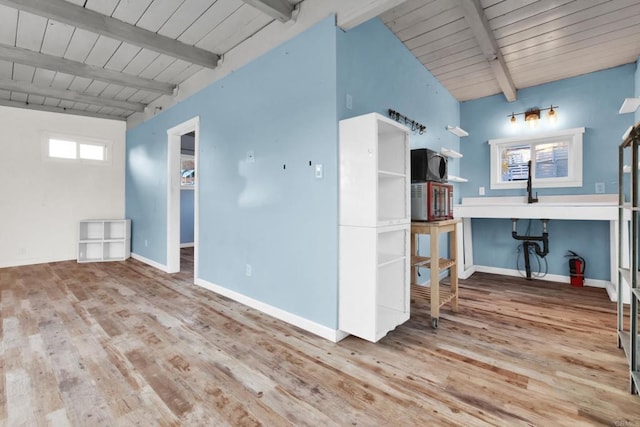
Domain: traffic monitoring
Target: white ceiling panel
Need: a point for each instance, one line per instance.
(105, 7)
(43, 77)
(6, 69)
(157, 14)
(95, 88)
(56, 38)
(245, 22)
(140, 62)
(35, 99)
(79, 84)
(122, 56)
(208, 21)
(80, 45)
(30, 31)
(130, 11)
(102, 51)
(62, 81)
(23, 73)
(157, 66)
(9, 24)
(188, 12)
(19, 97)
(5, 94)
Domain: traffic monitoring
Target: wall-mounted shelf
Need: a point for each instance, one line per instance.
(453, 178)
(457, 131)
(450, 153)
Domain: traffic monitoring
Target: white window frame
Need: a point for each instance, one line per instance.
(79, 140)
(572, 136)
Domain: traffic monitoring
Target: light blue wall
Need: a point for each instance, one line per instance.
(186, 216)
(591, 101)
(273, 213)
(379, 73)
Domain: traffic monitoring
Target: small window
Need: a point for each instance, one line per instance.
(556, 159)
(79, 149)
(62, 149)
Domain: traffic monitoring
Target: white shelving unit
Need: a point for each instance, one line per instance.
(104, 240)
(375, 217)
(628, 339)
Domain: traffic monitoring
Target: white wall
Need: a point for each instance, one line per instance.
(41, 201)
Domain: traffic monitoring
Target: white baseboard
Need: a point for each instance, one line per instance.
(333, 335)
(186, 245)
(149, 262)
(33, 261)
(595, 283)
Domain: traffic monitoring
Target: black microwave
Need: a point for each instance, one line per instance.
(428, 165)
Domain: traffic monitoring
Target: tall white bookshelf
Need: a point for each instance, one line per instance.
(375, 221)
(104, 240)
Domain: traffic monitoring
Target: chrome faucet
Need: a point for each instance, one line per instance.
(530, 198)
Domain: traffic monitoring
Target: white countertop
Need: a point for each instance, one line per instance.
(578, 207)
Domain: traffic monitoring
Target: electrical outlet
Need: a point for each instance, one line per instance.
(251, 158)
(481, 191)
(599, 187)
(247, 270)
(319, 171)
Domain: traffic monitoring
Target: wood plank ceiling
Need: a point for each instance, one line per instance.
(110, 58)
(62, 65)
(538, 41)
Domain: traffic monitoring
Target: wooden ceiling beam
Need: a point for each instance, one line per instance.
(51, 109)
(95, 22)
(359, 12)
(31, 89)
(277, 9)
(55, 63)
(475, 17)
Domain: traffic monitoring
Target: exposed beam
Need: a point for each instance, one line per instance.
(277, 9)
(17, 104)
(95, 22)
(475, 17)
(55, 63)
(30, 88)
(360, 13)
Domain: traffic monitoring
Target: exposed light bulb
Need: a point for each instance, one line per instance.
(552, 116)
(513, 120)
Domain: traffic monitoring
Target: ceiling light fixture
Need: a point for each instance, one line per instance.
(532, 116)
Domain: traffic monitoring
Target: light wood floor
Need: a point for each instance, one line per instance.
(124, 344)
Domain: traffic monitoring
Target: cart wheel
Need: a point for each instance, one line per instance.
(434, 323)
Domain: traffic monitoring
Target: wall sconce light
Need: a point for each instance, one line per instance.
(532, 116)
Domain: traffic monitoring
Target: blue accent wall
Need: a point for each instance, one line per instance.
(186, 216)
(591, 101)
(273, 213)
(377, 71)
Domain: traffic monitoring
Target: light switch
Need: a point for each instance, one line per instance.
(481, 191)
(319, 172)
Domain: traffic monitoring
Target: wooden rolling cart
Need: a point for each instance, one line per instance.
(434, 293)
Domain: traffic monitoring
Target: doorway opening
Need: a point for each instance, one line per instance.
(182, 176)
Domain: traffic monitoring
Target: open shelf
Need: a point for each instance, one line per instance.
(104, 240)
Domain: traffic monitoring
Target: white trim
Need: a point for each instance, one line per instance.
(333, 335)
(575, 159)
(186, 245)
(173, 194)
(594, 283)
(149, 262)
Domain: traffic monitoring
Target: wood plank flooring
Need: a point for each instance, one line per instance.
(119, 344)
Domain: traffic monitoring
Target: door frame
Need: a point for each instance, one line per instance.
(173, 194)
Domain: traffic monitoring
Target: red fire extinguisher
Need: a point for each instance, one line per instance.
(577, 264)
